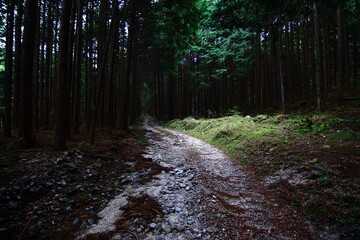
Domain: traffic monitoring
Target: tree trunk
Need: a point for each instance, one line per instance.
(281, 71)
(61, 85)
(18, 52)
(49, 55)
(8, 68)
(31, 11)
(127, 81)
(78, 62)
(341, 52)
(318, 59)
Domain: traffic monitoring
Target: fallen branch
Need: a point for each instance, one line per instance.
(27, 225)
(137, 238)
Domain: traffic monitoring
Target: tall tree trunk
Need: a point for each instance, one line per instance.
(171, 100)
(41, 98)
(78, 62)
(103, 69)
(341, 52)
(8, 68)
(281, 71)
(127, 81)
(36, 72)
(298, 64)
(49, 55)
(327, 55)
(18, 50)
(318, 59)
(61, 85)
(31, 11)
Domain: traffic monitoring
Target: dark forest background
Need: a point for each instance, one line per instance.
(84, 65)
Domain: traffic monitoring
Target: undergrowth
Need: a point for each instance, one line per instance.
(235, 133)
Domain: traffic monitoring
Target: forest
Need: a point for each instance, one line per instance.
(79, 74)
(102, 64)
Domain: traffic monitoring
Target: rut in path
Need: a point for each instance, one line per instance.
(207, 196)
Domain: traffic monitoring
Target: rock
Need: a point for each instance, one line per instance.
(83, 225)
(187, 188)
(91, 221)
(325, 147)
(13, 205)
(212, 229)
(68, 209)
(75, 222)
(97, 164)
(166, 228)
(152, 225)
(70, 165)
(315, 160)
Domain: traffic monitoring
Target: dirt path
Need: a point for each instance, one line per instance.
(204, 195)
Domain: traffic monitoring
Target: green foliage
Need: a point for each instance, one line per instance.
(235, 111)
(229, 132)
(84, 144)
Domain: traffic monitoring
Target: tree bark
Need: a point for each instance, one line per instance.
(341, 55)
(18, 52)
(318, 59)
(31, 11)
(49, 55)
(281, 71)
(78, 62)
(7, 102)
(127, 81)
(61, 86)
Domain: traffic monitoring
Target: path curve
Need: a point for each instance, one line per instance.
(205, 196)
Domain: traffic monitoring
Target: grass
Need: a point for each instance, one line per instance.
(237, 133)
(232, 133)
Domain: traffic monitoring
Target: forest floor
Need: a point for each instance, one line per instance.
(48, 194)
(287, 177)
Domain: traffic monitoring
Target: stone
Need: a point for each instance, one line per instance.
(70, 165)
(152, 225)
(166, 228)
(68, 209)
(83, 225)
(13, 205)
(212, 229)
